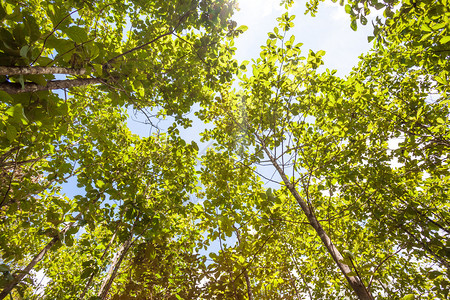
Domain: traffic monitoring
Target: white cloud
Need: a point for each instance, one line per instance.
(42, 281)
(338, 13)
(259, 8)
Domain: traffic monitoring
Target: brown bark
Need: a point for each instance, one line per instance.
(249, 288)
(355, 283)
(16, 88)
(114, 268)
(247, 279)
(10, 164)
(20, 275)
(27, 70)
(91, 278)
(230, 272)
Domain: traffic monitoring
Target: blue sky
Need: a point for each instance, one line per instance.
(329, 30)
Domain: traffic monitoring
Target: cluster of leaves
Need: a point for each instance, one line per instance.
(359, 204)
(131, 189)
(368, 154)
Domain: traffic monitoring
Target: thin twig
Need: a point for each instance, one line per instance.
(52, 32)
(379, 265)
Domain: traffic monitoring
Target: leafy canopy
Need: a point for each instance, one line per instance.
(359, 204)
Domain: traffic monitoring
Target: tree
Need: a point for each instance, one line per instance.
(358, 205)
(50, 138)
(327, 139)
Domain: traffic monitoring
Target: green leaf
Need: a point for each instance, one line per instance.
(24, 51)
(33, 28)
(9, 9)
(68, 240)
(194, 145)
(388, 13)
(349, 253)
(445, 39)
(425, 27)
(353, 25)
(93, 50)
(408, 297)
(440, 79)
(434, 274)
(19, 33)
(10, 111)
(348, 8)
(17, 113)
(76, 34)
(86, 273)
(98, 69)
(241, 260)
(11, 132)
(363, 20)
(21, 81)
(419, 112)
(100, 184)
(4, 268)
(242, 28)
(39, 79)
(439, 26)
(5, 97)
(2, 12)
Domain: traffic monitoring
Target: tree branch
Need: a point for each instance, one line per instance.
(170, 32)
(379, 265)
(91, 278)
(29, 87)
(52, 32)
(355, 283)
(27, 70)
(20, 275)
(247, 279)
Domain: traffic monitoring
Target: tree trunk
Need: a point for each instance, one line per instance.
(247, 279)
(20, 275)
(16, 88)
(39, 70)
(355, 283)
(249, 287)
(114, 268)
(91, 278)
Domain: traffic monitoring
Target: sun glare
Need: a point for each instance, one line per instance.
(258, 8)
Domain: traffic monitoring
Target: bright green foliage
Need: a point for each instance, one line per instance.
(367, 154)
(334, 140)
(165, 268)
(162, 55)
